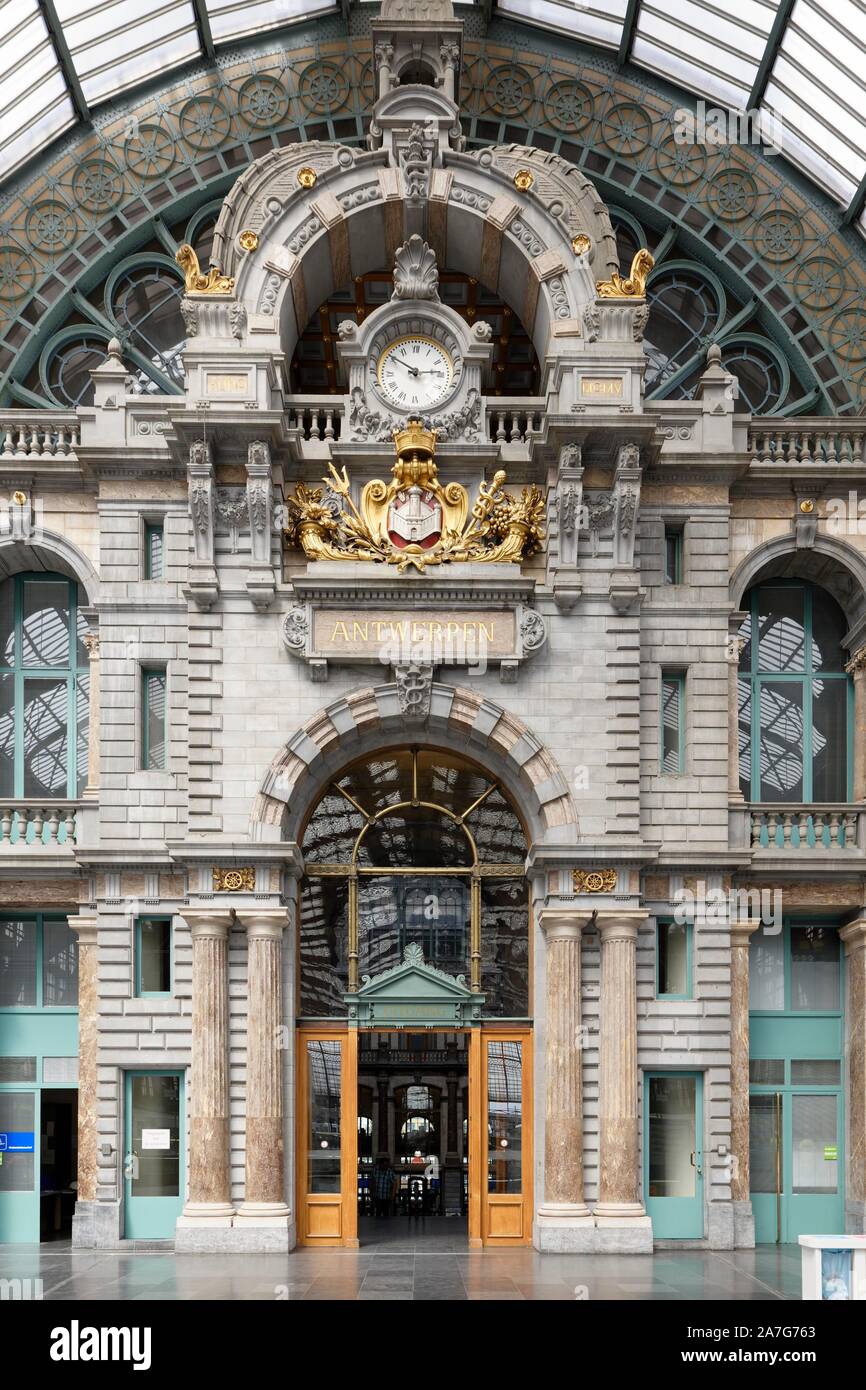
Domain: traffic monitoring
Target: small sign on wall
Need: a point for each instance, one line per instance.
(156, 1139)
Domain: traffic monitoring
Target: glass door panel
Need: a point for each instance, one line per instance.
(814, 1169)
(327, 1131)
(19, 1195)
(153, 1166)
(674, 1158)
(765, 1163)
(506, 1123)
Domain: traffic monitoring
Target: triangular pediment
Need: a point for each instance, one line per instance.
(414, 992)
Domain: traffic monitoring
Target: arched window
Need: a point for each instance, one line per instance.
(44, 688)
(795, 697)
(414, 846)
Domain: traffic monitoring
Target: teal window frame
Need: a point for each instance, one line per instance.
(679, 678)
(147, 673)
(673, 534)
(40, 1007)
(661, 923)
(140, 993)
(71, 673)
(805, 679)
(152, 531)
(787, 1012)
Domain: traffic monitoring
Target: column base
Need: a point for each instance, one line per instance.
(96, 1226)
(274, 1214)
(855, 1217)
(564, 1228)
(206, 1214)
(623, 1228)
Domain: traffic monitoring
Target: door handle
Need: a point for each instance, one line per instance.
(693, 1157)
(130, 1166)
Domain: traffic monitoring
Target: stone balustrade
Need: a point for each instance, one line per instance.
(804, 828)
(29, 434)
(318, 417)
(38, 823)
(515, 420)
(804, 439)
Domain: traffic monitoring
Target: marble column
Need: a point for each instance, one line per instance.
(619, 1214)
(91, 789)
(856, 667)
(744, 1224)
(564, 1221)
(264, 1200)
(209, 1202)
(854, 937)
(85, 928)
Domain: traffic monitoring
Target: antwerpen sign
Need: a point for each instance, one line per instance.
(430, 636)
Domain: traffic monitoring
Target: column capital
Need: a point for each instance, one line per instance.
(85, 927)
(562, 923)
(742, 932)
(857, 665)
(854, 936)
(207, 921)
(263, 923)
(621, 926)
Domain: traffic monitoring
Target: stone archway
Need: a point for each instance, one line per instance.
(371, 718)
(828, 562)
(51, 552)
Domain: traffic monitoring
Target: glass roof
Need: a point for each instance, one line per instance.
(803, 64)
(804, 61)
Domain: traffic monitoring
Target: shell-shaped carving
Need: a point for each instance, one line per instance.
(415, 273)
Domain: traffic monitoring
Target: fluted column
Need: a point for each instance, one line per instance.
(854, 937)
(741, 933)
(264, 1201)
(735, 649)
(619, 1200)
(209, 1202)
(856, 667)
(564, 1202)
(85, 928)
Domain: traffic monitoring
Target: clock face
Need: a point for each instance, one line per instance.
(414, 373)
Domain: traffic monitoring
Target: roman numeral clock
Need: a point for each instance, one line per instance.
(414, 356)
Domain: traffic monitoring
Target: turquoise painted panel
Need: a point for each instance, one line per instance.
(19, 1218)
(786, 1035)
(41, 1032)
(764, 1211)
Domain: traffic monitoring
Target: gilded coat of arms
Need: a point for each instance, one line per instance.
(413, 520)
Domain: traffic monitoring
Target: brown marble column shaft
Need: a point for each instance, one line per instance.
(85, 928)
(619, 1162)
(563, 1124)
(735, 648)
(741, 934)
(854, 937)
(264, 1199)
(209, 1173)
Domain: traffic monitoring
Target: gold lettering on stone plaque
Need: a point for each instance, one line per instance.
(601, 386)
(228, 385)
(431, 636)
(234, 880)
(594, 880)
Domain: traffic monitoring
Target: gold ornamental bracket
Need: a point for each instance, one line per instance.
(214, 282)
(632, 286)
(413, 520)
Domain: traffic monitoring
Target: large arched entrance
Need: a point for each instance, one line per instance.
(414, 1002)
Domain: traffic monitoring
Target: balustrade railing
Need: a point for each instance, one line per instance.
(38, 823)
(808, 440)
(817, 827)
(35, 434)
(515, 419)
(317, 419)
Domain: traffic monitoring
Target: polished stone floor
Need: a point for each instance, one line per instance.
(402, 1263)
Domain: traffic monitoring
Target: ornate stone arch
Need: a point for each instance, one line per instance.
(371, 719)
(301, 223)
(50, 552)
(831, 563)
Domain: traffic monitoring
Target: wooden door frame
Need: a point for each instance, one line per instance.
(477, 1089)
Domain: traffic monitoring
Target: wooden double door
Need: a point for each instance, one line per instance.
(499, 1140)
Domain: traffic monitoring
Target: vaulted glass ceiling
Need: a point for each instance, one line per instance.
(803, 61)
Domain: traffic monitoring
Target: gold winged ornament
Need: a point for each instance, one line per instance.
(413, 521)
(631, 287)
(214, 282)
